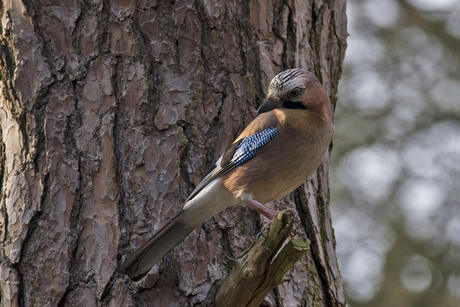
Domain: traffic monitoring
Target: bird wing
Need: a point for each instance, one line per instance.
(241, 151)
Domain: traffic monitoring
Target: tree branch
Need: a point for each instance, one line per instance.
(263, 266)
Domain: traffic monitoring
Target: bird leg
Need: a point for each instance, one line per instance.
(262, 209)
(269, 212)
(272, 213)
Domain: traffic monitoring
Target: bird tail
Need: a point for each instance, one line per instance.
(139, 264)
(210, 201)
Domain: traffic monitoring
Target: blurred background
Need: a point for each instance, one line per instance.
(395, 177)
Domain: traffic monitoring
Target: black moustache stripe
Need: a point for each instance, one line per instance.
(294, 105)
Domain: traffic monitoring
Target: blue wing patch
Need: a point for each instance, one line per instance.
(250, 145)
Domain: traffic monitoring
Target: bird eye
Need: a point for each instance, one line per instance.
(295, 92)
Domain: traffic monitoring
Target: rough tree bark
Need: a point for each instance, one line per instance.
(112, 111)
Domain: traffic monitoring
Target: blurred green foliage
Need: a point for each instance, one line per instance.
(395, 177)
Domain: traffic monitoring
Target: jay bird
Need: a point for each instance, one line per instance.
(277, 152)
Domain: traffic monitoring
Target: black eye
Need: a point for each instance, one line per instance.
(295, 93)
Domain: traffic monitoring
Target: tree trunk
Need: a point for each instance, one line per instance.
(113, 111)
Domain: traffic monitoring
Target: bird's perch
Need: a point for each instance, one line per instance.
(263, 266)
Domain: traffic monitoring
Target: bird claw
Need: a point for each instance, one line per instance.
(296, 231)
(299, 232)
(294, 213)
(304, 236)
(261, 233)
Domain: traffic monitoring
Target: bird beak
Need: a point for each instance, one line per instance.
(268, 105)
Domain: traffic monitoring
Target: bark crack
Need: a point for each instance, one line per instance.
(31, 228)
(123, 213)
(8, 66)
(3, 212)
(306, 217)
(33, 9)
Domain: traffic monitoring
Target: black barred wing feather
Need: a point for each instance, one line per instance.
(238, 153)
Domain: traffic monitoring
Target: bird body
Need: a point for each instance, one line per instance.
(274, 155)
(272, 174)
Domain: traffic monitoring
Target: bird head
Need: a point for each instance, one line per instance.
(295, 89)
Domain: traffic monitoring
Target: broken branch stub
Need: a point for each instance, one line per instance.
(263, 266)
